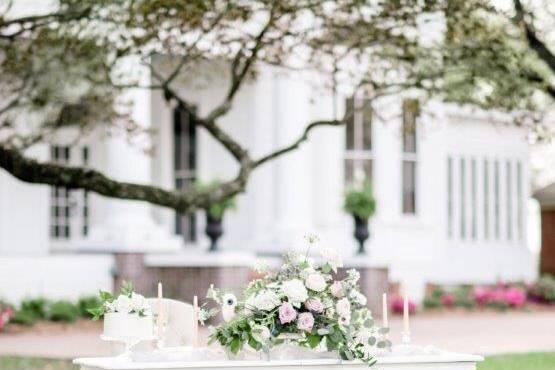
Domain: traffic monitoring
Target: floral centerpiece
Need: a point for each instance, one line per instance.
(6, 313)
(127, 302)
(303, 300)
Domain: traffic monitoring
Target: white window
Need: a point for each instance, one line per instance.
(462, 173)
(409, 155)
(486, 200)
(450, 197)
(509, 176)
(69, 209)
(358, 140)
(473, 200)
(184, 161)
(496, 200)
(519, 200)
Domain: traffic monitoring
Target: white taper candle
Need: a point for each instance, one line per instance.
(160, 317)
(195, 321)
(406, 326)
(385, 323)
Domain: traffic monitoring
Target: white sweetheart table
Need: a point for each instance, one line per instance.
(443, 361)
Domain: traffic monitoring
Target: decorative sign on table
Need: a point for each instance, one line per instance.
(299, 315)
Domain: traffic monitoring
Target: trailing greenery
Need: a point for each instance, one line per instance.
(359, 201)
(433, 300)
(64, 311)
(216, 210)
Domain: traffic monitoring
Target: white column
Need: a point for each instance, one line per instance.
(130, 225)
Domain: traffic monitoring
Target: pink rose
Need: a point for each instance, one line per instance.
(314, 305)
(336, 289)
(287, 313)
(305, 321)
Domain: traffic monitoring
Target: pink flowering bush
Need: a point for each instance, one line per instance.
(501, 296)
(6, 313)
(397, 303)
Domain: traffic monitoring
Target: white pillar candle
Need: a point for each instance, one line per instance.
(160, 318)
(195, 322)
(385, 323)
(406, 315)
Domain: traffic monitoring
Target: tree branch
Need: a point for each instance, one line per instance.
(32, 171)
(533, 41)
(295, 144)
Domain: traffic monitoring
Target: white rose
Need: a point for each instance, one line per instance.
(260, 333)
(138, 302)
(295, 291)
(359, 298)
(316, 282)
(343, 307)
(123, 304)
(266, 300)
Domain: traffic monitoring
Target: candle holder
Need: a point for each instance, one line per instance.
(161, 333)
(405, 337)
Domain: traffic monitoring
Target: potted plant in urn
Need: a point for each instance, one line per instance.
(360, 203)
(214, 216)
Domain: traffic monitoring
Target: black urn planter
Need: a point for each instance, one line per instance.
(214, 230)
(361, 232)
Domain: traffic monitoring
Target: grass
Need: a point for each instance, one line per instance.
(525, 361)
(33, 363)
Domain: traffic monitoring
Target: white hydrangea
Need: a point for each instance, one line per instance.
(266, 300)
(295, 291)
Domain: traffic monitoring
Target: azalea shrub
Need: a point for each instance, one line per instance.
(543, 291)
(500, 296)
(397, 305)
(6, 313)
(304, 302)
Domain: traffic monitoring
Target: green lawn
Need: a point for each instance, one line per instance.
(528, 361)
(31, 363)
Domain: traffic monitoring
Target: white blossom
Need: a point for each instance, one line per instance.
(266, 300)
(316, 282)
(343, 307)
(333, 258)
(295, 291)
(123, 304)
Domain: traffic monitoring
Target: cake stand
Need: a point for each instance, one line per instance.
(129, 342)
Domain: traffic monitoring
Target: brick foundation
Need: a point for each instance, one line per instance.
(183, 282)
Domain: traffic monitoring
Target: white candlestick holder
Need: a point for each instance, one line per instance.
(405, 337)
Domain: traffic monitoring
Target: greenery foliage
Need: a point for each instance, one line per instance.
(359, 201)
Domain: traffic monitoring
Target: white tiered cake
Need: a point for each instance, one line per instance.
(119, 325)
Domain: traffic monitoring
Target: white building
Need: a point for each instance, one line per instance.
(451, 199)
